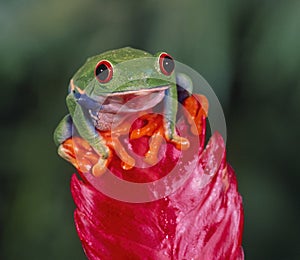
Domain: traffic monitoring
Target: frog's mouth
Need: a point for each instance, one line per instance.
(133, 100)
(125, 101)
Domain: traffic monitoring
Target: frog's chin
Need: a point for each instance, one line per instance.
(134, 100)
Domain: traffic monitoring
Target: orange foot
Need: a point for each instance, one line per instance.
(155, 129)
(196, 110)
(83, 157)
(114, 144)
(79, 153)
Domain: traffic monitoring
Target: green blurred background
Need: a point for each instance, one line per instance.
(249, 52)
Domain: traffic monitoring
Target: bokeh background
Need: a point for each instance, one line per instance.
(249, 52)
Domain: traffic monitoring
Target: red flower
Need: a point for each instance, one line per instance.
(202, 219)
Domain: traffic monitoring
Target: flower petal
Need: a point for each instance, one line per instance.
(202, 219)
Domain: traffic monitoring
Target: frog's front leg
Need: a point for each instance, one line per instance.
(86, 129)
(170, 111)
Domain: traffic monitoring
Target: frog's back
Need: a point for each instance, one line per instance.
(122, 54)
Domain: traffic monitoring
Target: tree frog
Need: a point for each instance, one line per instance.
(126, 78)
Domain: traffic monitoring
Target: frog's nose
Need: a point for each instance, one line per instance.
(75, 89)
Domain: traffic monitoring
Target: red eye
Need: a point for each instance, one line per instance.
(103, 71)
(166, 64)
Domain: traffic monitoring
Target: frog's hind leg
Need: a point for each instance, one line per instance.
(77, 151)
(62, 133)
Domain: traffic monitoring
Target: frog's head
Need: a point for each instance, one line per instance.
(124, 72)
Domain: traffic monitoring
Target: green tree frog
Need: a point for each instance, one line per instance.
(126, 78)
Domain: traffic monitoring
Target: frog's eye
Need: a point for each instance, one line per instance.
(166, 63)
(103, 71)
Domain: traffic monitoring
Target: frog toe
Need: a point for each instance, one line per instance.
(100, 167)
(180, 143)
(66, 151)
(153, 122)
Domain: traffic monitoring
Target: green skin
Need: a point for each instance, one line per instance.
(131, 74)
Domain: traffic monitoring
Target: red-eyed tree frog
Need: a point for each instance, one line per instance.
(126, 78)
